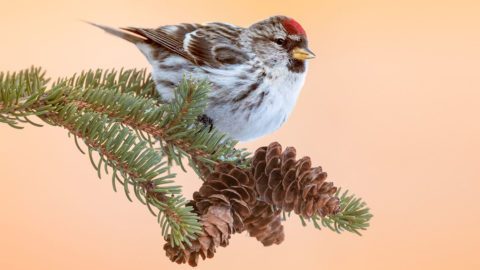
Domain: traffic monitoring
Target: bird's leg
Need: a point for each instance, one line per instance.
(206, 121)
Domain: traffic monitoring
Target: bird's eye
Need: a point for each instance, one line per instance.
(280, 41)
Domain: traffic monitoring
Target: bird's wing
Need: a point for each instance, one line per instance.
(213, 44)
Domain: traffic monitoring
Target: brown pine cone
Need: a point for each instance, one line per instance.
(265, 224)
(291, 184)
(224, 201)
(230, 186)
(217, 225)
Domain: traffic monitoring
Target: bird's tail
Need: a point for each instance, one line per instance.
(116, 32)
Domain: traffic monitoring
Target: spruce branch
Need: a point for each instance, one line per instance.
(135, 166)
(136, 82)
(354, 215)
(18, 94)
(129, 132)
(129, 96)
(174, 125)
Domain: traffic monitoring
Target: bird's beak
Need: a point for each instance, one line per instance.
(302, 53)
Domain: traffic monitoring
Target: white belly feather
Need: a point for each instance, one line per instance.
(282, 87)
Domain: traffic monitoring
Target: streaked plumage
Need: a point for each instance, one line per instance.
(255, 77)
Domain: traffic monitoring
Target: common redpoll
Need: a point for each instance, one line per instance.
(256, 73)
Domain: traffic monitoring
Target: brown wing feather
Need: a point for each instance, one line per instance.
(216, 44)
(212, 44)
(164, 39)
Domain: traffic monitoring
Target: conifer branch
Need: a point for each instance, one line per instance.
(134, 165)
(173, 125)
(18, 94)
(120, 117)
(354, 215)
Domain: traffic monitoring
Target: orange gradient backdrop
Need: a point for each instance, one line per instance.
(390, 109)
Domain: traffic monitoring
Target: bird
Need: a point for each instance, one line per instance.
(256, 73)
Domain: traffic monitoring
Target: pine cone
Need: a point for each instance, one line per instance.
(217, 225)
(265, 224)
(230, 186)
(224, 201)
(291, 184)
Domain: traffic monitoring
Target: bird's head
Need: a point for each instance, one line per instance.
(281, 40)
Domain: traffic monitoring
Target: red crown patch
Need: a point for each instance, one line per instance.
(293, 27)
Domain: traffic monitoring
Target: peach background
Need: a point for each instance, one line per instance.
(390, 109)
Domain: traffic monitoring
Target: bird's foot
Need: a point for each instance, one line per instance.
(206, 121)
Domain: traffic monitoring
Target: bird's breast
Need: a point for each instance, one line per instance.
(245, 102)
(258, 111)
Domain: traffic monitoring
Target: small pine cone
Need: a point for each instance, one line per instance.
(217, 225)
(224, 201)
(230, 186)
(291, 184)
(265, 224)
